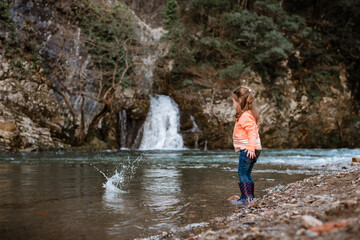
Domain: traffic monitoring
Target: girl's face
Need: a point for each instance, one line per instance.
(236, 105)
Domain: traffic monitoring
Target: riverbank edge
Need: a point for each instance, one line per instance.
(325, 206)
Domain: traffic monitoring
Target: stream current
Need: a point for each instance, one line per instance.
(136, 194)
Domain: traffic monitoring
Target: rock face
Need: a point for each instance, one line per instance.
(41, 111)
(290, 120)
(31, 118)
(50, 92)
(148, 11)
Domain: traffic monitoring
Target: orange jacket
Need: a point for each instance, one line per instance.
(246, 133)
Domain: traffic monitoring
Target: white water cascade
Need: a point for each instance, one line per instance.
(144, 63)
(195, 130)
(162, 125)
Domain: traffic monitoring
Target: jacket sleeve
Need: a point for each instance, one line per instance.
(248, 122)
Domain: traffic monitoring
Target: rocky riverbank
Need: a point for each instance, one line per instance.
(326, 206)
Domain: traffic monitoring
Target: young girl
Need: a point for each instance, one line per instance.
(246, 140)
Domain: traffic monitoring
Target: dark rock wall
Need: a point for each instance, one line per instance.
(48, 47)
(35, 115)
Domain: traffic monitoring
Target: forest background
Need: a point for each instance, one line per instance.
(70, 69)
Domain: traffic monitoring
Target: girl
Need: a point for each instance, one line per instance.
(246, 140)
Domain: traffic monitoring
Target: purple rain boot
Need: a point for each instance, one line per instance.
(246, 195)
(253, 189)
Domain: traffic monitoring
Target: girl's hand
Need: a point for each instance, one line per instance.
(250, 154)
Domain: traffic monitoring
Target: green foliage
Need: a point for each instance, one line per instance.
(108, 30)
(290, 24)
(343, 34)
(187, 82)
(182, 55)
(201, 10)
(265, 37)
(25, 47)
(318, 82)
(274, 48)
(235, 71)
(179, 49)
(169, 12)
(210, 42)
(7, 25)
(270, 8)
(6, 21)
(260, 39)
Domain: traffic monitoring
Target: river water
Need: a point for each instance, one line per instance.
(136, 194)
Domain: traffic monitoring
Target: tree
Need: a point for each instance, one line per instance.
(169, 12)
(95, 62)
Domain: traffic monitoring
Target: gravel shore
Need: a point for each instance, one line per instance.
(325, 206)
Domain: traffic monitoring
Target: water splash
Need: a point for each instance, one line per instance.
(115, 183)
(120, 180)
(162, 126)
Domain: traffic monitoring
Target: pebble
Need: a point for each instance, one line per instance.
(311, 234)
(295, 210)
(255, 229)
(301, 231)
(310, 221)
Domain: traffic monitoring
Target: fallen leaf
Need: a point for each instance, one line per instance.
(235, 197)
(326, 227)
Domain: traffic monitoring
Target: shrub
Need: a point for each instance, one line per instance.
(169, 13)
(107, 30)
(235, 71)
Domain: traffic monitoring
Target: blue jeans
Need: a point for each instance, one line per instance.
(246, 165)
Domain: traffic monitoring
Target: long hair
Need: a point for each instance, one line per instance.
(245, 97)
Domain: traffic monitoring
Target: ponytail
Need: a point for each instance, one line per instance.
(245, 97)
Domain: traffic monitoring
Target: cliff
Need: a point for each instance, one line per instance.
(70, 70)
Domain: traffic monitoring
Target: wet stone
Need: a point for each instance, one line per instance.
(273, 217)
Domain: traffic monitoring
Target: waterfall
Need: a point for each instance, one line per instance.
(144, 64)
(195, 130)
(162, 125)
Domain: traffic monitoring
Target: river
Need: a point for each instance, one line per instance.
(136, 194)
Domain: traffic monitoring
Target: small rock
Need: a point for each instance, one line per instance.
(350, 203)
(255, 229)
(356, 159)
(301, 231)
(295, 213)
(311, 234)
(250, 215)
(310, 221)
(208, 233)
